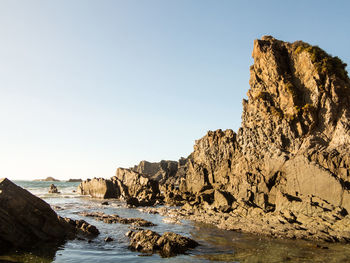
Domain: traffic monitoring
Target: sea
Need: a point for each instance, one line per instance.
(215, 245)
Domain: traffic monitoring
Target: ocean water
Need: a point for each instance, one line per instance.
(215, 245)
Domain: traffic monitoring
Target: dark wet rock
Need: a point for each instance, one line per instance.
(83, 227)
(109, 239)
(53, 189)
(112, 219)
(27, 221)
(167, 245)
(105, 203)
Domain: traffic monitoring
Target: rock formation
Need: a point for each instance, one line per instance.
(164, 172)
(291, 153)
(26, 220)
(139, 185)
(167, 245)
(286, 172)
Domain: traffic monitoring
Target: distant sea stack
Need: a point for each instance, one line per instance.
(48, 179)
(286, 172)
(74, 180)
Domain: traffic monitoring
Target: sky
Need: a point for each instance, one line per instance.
(88, 86)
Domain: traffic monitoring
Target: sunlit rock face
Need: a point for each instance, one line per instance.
(294, 140)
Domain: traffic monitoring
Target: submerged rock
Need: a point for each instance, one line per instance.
(26, 220)
(167, 245)
(53, 189)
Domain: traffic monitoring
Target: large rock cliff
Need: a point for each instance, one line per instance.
(286, 172)
(291, 153)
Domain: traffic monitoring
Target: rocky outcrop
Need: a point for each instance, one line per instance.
(99, 188)
(293, 143)
(164, 172)
(26, 220)
(167, 245)
(136, 186)
(113, 219)
(143, 185)
(292, 149)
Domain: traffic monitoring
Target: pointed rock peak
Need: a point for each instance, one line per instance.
(297, 92)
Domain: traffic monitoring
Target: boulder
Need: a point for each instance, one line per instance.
(167, 245)
(27, 221)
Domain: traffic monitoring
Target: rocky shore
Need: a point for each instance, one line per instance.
(285, 173)
(27, 221)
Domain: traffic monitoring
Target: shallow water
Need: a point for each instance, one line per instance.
(215, 245)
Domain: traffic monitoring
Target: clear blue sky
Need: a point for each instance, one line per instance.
(88, 86)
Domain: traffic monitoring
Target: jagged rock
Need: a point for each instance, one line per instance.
(53, 189)
(26, 220)
(136, 185)
(293, 142)
(99, 188)
(83, 227)
(164, 172)
(167, 245)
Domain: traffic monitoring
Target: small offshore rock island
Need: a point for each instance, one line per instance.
(285, 173)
